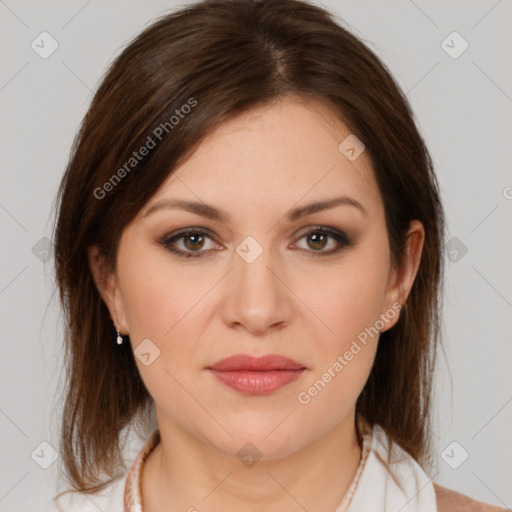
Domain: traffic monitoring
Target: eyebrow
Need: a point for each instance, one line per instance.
(210, 212)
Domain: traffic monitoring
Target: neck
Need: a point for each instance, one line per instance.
(184, 473)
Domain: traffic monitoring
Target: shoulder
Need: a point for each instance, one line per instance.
(452, 501)
(111, 498)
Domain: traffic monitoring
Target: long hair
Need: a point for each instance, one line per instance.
(177, 81)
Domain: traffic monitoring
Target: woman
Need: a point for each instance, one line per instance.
(249, 245)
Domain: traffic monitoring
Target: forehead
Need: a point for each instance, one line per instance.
(282, 153)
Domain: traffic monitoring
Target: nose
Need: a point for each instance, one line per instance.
(257, 298)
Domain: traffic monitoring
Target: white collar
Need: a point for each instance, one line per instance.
(390, 480)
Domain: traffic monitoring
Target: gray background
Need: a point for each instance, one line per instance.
(463, 107)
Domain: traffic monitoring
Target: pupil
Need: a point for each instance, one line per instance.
(194, 244)
(318, 238)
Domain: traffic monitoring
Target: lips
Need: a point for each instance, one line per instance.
(242, 362)
(256, 376)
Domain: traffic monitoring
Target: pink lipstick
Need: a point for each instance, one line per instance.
(256, 375)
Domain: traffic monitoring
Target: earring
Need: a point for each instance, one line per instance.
(119, 337)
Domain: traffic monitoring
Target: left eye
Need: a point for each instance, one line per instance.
(192, 242)
(317, 239)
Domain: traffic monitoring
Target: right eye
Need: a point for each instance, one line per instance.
(191, 242)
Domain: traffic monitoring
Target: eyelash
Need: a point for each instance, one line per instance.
(339, 236)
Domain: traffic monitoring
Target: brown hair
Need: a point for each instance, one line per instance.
(226, 57)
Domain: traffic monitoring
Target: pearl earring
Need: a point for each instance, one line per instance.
(119, 337)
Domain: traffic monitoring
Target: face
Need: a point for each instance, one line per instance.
(314, 287)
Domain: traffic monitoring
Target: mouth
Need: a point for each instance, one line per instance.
(256, 376)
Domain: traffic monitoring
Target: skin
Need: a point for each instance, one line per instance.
(290, 301)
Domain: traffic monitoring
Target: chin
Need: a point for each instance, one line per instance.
(257, 443)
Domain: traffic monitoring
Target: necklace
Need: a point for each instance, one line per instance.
(347, 499)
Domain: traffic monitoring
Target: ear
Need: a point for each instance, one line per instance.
(106, 284)
(401, 280)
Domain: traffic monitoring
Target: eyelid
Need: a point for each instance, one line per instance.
(322, 228)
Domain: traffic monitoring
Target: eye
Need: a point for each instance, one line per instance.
(192, 243)
(317, 239)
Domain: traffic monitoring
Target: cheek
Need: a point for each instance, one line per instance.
(350, 297)
(156, 300)
(331, 394)
(344, 356)
(161, 307)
